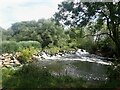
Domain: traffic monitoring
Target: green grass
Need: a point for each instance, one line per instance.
(32, 76)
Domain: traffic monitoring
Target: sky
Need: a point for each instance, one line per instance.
(12, 11)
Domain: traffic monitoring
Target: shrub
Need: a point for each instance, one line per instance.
(28, 44)
(13, 46)
(86, 44)
(26, 55)
(33, 76)
(52, 50)
(8, 46)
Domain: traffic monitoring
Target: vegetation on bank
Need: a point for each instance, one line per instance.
(33, 76)
(102, 19)
(99, 36)
(46, 35)
(13, 46)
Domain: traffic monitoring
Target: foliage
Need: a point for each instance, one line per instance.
(40, 77)
(43, 31)
(114, 76)
(8, 46)
(107, 46)
(13, 46)
(26, 55)
(28, 44)
(87, 44)
(52, 50)
(77, 14)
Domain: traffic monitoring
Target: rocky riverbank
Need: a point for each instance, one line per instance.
(77, 55)
(9, 60)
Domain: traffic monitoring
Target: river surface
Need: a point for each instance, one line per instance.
(89, 71)
(80, 64)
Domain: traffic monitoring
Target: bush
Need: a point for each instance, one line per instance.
(13, 46)
(8, 46)
(33, 76)
(86, 44)
(26, 55)
(52, 50)
(28, 44)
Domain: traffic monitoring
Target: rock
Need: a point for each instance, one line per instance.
(36, 57)
(6, 63)
(12, 64)
(11, 55)
(0, 63)
(17, 54)
(4, 55)
(8, 66)
(2, 58)
(7, 59)
(17, 62)
(11, 61)
(12, 58)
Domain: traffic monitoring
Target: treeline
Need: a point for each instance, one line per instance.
(13, 46)
(43, 31)
(55, 38)
(95, 15)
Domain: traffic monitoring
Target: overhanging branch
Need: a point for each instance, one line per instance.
(96, 34)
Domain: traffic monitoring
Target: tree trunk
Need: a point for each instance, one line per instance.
(117, 44)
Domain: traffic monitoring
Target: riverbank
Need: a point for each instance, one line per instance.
(73, 69)
(9, 60)
(57, 74)
(12, 60)
(51, 74)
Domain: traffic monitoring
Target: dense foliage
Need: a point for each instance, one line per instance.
(94, 27)
(13, 46)
(43, 31)
(34, 76)
(25, 55)
(77, 14)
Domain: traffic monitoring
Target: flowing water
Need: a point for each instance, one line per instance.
(91, 72)
(89, 67)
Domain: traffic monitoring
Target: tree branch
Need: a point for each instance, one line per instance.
(108, 24)
(96, 34)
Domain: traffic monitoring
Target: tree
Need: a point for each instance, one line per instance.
(5, 34)
(80, 14)
(43, 31)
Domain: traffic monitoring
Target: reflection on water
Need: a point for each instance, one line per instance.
(86, 70)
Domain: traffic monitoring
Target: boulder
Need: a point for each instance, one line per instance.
(9, 60)
(17, 62)
(2, 58)
(6, 63)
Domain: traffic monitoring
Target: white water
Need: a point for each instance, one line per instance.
(79, 55)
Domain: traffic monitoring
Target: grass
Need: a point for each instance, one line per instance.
(31, 76)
